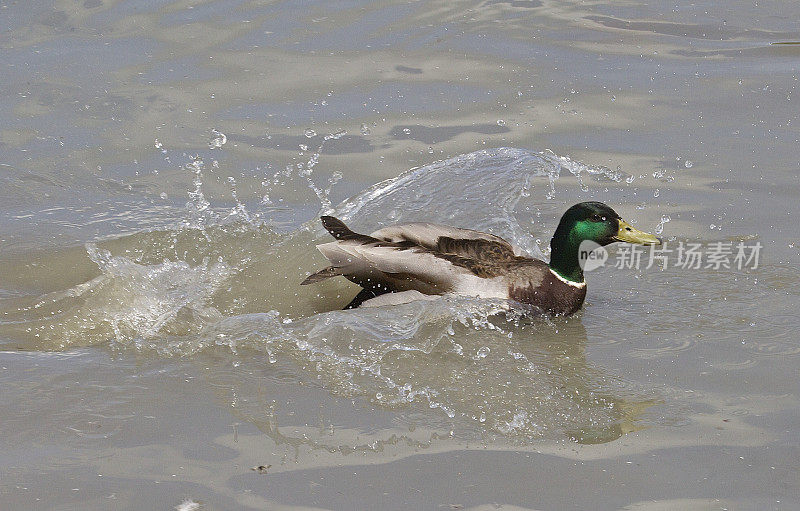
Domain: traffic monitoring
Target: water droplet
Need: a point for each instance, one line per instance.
(309, 133)
(365, 130)
(164, 195)
(303, 147)
(158, 144)
(219, 139)
(660, 227)
(430, 150)
(335, 136)
(501, 122)
(407, 131)
(688, 164)
(656, 193)
(483, 351)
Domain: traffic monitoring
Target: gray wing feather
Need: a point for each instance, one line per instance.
(429, 235)
(386, 266)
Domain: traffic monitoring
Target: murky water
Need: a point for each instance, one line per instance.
(163, 165)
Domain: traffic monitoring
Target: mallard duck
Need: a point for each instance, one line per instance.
(401, 263)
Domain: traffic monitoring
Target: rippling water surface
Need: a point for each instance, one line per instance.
(162, 168)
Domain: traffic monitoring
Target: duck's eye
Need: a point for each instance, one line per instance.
(597, 218)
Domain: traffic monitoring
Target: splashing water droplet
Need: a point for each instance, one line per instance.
(158, 144)
(303, 147)
(407, 131)
(501, 122)
(309, 133)
(365, 130)
(657, 192)
(335, 136)
(660, 227)
(219, 139)
(688, 164)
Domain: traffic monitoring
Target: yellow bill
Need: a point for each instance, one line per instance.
(630, 234)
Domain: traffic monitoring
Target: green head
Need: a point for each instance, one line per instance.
(589, 221)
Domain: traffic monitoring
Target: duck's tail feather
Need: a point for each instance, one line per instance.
(340, 231)
(337, 228)
(321, 275)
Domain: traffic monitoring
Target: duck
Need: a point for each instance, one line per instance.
(423, 261)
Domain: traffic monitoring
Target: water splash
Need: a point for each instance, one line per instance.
(472, 362)
(578, 169)
(198, 214)
(132, 304)
(484, 187)
(305, 171)
(239, 210)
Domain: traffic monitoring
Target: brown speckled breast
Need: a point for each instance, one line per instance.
(551, 295)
